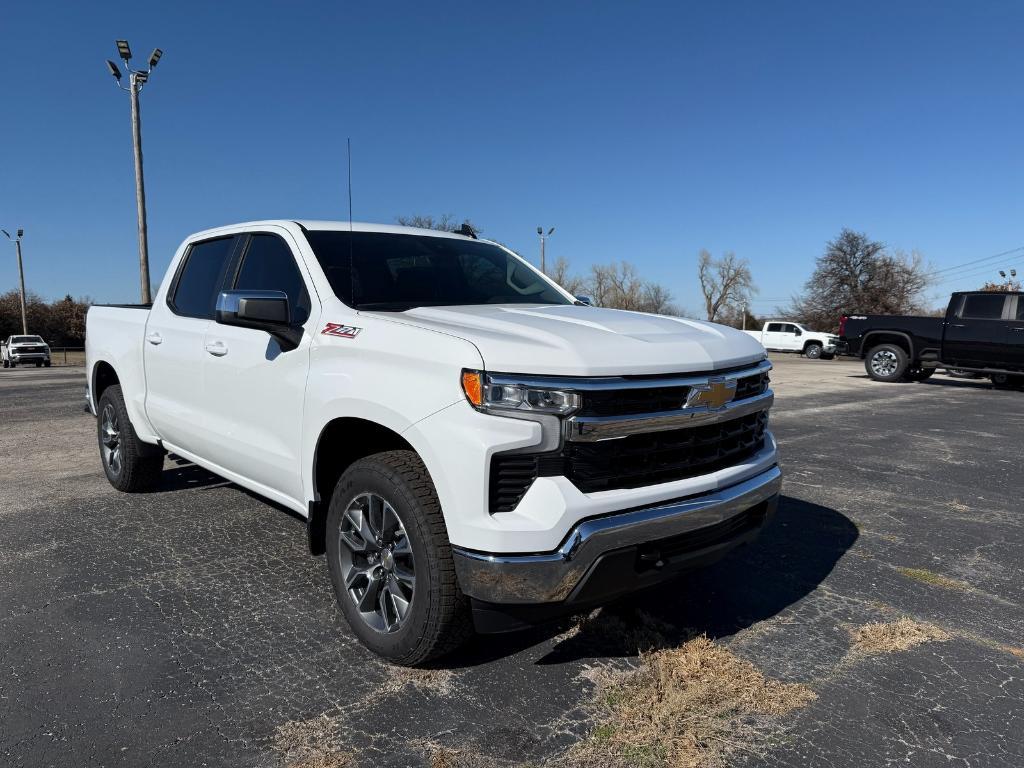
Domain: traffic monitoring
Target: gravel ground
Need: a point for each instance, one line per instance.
(190, 627)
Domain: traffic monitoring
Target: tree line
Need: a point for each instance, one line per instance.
(853, 274)
(61, 323)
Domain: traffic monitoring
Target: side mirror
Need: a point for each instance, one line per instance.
(585, 301)
(798, 332)
(262, 311)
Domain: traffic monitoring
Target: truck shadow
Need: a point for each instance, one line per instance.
(180, 474)
(794, 554)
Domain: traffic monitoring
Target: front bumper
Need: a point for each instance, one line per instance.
(610, 555)
(29, 357)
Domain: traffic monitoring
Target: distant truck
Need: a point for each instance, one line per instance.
(786, 336)
(25, 350)
(981, 332)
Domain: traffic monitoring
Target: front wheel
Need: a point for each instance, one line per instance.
(391, 562)
(886, 362)
(812, 351)
(130, 465)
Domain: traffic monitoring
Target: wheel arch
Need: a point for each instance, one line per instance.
(341, 442)
(874, 338)
(809, 342)
(103, 376)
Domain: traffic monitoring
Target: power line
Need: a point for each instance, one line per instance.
(977, 261)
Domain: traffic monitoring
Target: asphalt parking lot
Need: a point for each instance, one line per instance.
(190, 626)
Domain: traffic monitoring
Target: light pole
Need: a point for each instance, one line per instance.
(21, 275)
(543, 238)
(137, 78)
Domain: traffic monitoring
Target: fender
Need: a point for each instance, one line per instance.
(864, 346)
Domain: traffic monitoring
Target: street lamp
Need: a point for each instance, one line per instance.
(543, 238)
(137, 78)
(21, 274)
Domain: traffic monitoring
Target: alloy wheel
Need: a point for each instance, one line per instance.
(884, 363)
(377, 562)
(110, 439)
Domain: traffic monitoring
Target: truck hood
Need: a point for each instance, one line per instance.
(587, 341)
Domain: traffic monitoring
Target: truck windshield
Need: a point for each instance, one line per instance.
(26, 340)
(395, 272)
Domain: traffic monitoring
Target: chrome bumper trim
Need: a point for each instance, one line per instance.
(594, 428)
(552, 576)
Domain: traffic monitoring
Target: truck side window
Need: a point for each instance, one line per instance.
(268, 265)
(201, 277)
(774, 328)
(983, 306)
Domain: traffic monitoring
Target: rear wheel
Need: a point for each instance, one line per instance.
(886, 362)
(130, 464)
(1007, 381)
(391, 562)
(812, 351)
(828, 355)
(39, 364)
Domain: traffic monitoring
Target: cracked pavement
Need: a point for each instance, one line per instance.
(189, 626)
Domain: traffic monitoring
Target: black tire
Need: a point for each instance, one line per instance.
(139, 465)
(919, 374)
(46, 364)
(828, 355)
(39, 364)
(812, 351)
(437, 618)
(1006, 381)
(6, 364)
(886, 362)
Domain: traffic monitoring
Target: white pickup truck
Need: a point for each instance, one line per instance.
(785, 336)
(25, 350)
(469, 444)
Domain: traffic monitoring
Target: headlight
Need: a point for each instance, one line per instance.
(487, 395)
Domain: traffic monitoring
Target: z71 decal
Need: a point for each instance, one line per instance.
(341, 331)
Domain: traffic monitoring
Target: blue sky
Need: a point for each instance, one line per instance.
(642, 131)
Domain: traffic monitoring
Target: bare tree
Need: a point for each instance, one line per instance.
(570, 282)
(444, 223)
(726, 283)
(856, 274)
(617, 286)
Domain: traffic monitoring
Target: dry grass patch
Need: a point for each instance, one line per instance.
(935, 579)
(684, 707)
(314, 743)
(439, 681)
(893, 636)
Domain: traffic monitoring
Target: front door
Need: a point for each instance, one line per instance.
(977, 333)
(254, 390)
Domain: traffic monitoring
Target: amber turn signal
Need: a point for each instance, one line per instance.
(473, 386)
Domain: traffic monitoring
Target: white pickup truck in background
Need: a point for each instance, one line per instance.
(469, 444)
(25, 350)
(786, 336)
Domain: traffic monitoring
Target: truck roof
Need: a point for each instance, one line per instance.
(337, 226)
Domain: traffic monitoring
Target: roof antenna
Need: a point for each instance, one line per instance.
(351, 263)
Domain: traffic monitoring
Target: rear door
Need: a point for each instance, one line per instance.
(773, 336)
(254, 390)
(977, 331)
(173, 347)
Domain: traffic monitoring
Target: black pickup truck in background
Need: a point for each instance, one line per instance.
(982, 332)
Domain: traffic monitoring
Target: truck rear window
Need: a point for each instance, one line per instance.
(394, 272)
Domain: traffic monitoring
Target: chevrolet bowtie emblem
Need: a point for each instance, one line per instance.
(715, 394)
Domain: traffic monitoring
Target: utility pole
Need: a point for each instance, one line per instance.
(543, 237)
(137, 78)
(21, 275)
